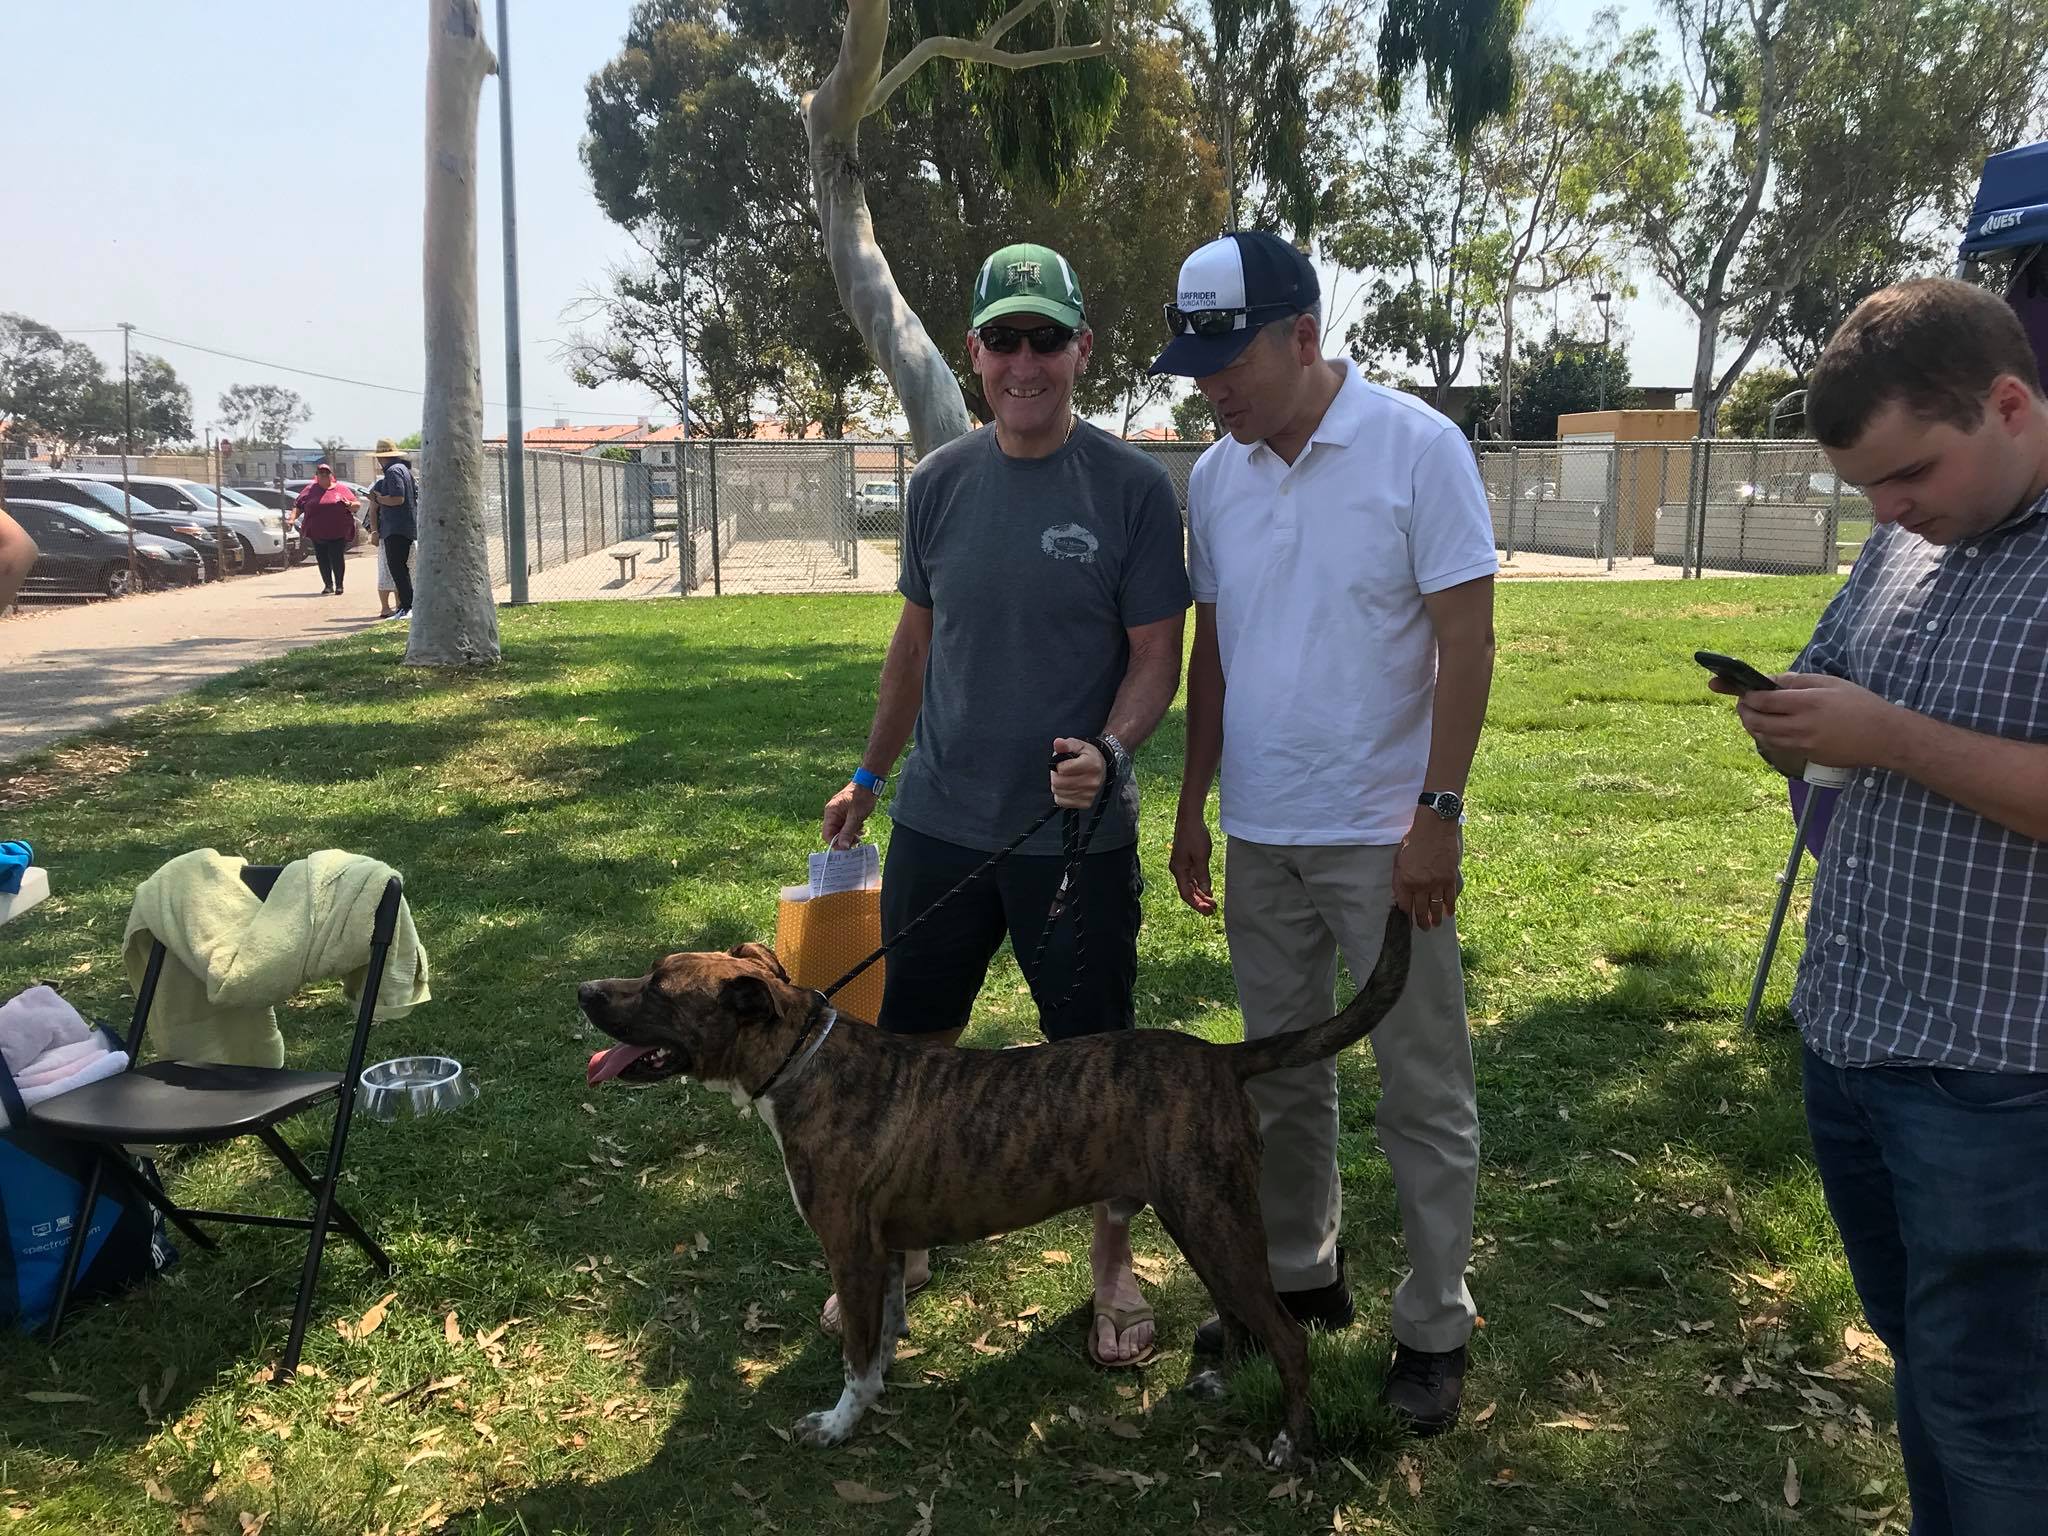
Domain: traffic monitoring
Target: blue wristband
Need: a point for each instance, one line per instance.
(871, 782)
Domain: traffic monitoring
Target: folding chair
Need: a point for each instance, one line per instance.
(200, 1103)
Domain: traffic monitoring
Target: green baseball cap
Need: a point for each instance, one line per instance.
(1028, 280)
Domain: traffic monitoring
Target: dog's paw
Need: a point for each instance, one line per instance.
(1280, 1455)
(1207, 1384)
(821, 1430)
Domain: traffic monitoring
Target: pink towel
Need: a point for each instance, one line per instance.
(35, 1022)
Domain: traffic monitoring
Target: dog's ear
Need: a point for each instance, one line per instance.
(747, 999)
(760, 954)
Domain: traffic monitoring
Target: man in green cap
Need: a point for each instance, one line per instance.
(1044, 586)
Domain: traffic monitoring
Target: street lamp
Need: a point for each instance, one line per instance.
(1604, 303)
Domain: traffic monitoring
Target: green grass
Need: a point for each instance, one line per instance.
(642, 776)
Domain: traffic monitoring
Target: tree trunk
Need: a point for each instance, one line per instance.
(1507, 364)
(1704, 404)
(895, 337)
(455, 622)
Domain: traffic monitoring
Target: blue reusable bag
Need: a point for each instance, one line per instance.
(42, 1179)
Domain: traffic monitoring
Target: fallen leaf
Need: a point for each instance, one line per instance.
(1597, 1300)
(1352, 1467)
(859, 1493)
(58, 1397)
(252, 1525)
(369, 1322)
(908, 1351)
(1056, 1256)
(451, 1330)
(1581, 1422)
(1857, 1342)
(1285, 1490)
(745, 1496)
(157, 1491)
(1585, 1317)
(1411, 1474)
(1484, 1414)
(981, 1346)
(1730, 1497)
(1124, 1429)
(1791, 1483)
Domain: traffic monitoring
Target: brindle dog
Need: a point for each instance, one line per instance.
(890, 1143)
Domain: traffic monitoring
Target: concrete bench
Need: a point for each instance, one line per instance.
(629, 565)
(661, 544)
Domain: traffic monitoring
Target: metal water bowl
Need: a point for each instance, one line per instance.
(410, 1086)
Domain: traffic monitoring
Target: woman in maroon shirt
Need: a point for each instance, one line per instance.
(327, 516)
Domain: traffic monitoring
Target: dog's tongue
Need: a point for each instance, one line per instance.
(609, 1064)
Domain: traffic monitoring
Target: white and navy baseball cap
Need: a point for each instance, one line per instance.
(1228, 289)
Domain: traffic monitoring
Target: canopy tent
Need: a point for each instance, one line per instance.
(2010, 220)
(2012, 202)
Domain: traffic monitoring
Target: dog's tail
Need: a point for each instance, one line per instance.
(1374, 1001)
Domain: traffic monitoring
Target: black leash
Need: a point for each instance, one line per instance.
(1074, 841)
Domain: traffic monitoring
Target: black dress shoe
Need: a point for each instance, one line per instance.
(1321, 1306)
(1424, 1388)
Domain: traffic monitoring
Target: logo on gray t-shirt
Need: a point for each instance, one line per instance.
(1069, 541)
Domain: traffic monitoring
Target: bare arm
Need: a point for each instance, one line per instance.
(1426, 877)
(17, 554)
(901, 692)
(2002, 781)
(1463, 619)
(900, 695)
(1204, 754)
(1832, 720)
(1151, 678)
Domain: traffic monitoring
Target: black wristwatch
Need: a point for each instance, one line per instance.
(1447, 803)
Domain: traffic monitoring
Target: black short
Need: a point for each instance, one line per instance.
(934, 977)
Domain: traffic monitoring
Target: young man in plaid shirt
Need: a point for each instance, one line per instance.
(1923, 991)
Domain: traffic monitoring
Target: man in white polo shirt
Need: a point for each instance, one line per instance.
(1342, 560)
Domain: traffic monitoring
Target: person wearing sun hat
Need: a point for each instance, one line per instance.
(397, 495)
(1341, 555)
(1044, 591)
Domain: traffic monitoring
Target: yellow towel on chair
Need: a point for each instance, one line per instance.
(232, 955)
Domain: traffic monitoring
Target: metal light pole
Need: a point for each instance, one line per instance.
(220, 537)
(1605, 303)
(684, 527)
(515, 413)
(127, 432)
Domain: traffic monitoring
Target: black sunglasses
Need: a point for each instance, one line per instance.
(1221, 322)
(1045, 339)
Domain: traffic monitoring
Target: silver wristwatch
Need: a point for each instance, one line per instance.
(1447, 803)
(1123, 755)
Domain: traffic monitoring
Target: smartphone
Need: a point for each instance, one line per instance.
(1737, 674)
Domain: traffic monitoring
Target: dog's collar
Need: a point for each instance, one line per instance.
(792, 1064)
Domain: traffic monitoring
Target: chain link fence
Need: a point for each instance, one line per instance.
(590, 527)
(1723, 506)
(740, 516)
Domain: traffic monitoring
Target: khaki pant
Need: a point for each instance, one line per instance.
(1288, 911)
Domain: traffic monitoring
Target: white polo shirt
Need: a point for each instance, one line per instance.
(1318, 571)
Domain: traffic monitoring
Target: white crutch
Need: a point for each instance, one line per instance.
(1818, 776)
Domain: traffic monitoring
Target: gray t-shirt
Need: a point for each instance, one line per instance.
(1033, 569)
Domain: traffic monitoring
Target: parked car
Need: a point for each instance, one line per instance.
(78, 491)
(259, 531)
(878, 506)
(266, 496)
(84, 550)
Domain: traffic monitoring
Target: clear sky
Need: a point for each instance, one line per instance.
(248, 176)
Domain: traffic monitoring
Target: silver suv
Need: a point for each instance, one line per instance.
(259, 531)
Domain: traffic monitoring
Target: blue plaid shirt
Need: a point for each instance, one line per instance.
(1928, 938)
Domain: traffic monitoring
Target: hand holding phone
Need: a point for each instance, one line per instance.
(1739, 675)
